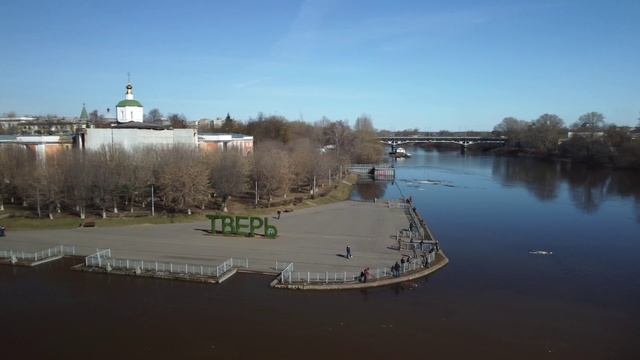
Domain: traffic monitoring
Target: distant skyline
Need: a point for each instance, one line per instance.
(431, 65)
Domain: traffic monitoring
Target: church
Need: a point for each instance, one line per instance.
(129, 109)
(130, 132)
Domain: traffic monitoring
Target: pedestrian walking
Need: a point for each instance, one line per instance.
(349, 256)
(279, 213)
(396, 269)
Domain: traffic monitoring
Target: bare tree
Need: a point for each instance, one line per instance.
(153, 116)
(53, 181)
(271, 170)
(229, 175)
(545, 132)
(79, 182)
(592, 121)
(177, 121)
(367, 150)
(183, 181)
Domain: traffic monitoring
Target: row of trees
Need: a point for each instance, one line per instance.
(112, 179)
(592, 140)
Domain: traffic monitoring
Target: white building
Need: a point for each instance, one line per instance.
(133, 135)
(225, 142)
(129, 109)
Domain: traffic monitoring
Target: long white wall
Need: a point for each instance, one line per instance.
(132, 138)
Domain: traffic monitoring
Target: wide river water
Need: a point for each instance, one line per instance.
(494, 299)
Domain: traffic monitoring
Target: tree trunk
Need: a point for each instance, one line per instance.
(1, 205)
(38, 202)
(104, 213)
(82, 214)
(115, 206)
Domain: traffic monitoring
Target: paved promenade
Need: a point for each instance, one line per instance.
(314, 239)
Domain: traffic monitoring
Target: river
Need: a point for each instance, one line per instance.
(494, 299)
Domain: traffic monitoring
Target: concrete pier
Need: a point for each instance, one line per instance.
(314, 239)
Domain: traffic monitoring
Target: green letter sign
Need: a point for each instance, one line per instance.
(242, 225)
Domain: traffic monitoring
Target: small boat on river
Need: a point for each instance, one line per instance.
(399, 153)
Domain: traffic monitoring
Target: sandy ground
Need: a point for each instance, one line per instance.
(314, 239)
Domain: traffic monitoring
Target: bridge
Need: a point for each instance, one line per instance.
(463, 141)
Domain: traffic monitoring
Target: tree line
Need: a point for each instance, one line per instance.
(592, 140)
(294, 158)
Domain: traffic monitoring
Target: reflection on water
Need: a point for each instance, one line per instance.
(588, 188)
(370, 189)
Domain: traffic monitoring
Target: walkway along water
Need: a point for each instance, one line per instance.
(417, 244)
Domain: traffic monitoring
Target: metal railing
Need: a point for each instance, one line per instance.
(96, 258)
(60, 250)
(288, 276)
(103, 259)
(397, 204)
(285, 275)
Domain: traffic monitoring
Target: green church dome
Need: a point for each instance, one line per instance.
(124, 103)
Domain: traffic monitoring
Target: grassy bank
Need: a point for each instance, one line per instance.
(19, 221)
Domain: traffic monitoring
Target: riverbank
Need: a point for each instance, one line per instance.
(311, 245)
(629, 159)
(17, 218)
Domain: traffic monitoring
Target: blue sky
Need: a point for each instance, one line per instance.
(432, 65)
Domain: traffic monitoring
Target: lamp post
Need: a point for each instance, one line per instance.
(153, 203)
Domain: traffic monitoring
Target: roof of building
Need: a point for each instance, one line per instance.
(8, 138)
(83, 114)
(215, 137)
(139, 125)
(124, 103)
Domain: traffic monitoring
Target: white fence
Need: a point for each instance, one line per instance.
(103, 259)
(285, 275)
(60, 250)
(397, 205)
(288, 276)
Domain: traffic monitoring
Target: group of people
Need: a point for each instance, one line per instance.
(364, 275)
(399, 266)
